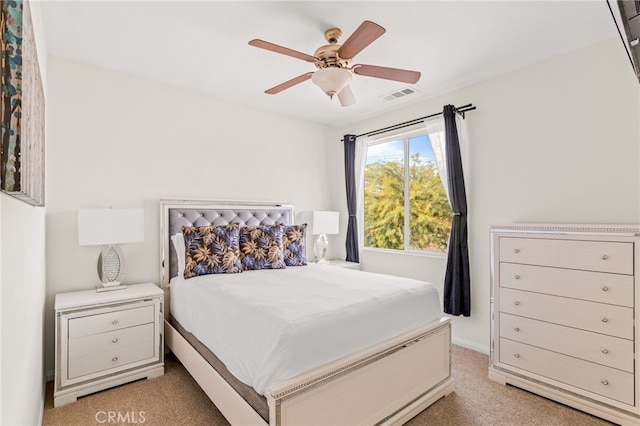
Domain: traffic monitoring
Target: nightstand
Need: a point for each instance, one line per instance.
(343, 264)
(106, 339)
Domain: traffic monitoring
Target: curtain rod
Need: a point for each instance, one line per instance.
(460, 110)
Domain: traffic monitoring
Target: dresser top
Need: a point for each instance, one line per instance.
(78, 299)
(554, 228)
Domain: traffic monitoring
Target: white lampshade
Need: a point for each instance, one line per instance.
(331, 80)
(325, 222)
(110, 226)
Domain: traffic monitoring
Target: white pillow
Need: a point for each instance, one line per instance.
(178, 244)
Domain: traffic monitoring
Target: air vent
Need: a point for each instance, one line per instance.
(399, 94)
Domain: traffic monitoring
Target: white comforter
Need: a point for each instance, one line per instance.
(270, 325)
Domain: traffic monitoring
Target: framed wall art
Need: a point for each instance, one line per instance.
(22, 107)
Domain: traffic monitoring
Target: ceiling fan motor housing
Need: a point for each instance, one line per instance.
(327, 56)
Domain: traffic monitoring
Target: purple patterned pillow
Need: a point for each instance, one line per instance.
(261, 247)
(211, 250)
(293, 243)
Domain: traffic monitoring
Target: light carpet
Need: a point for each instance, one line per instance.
(175, 399)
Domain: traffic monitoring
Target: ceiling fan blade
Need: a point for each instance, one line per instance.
(282, 50)
(363, 36)
(396, 74)
(346, 97)
(280, 87)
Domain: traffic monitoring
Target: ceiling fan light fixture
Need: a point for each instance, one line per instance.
(332, 80)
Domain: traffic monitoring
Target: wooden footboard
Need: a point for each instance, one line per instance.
(382, 384)
(385, 384)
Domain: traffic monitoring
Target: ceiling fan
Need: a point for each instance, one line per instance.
(334, 63)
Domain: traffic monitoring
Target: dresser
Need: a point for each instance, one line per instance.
(564, 315)
(105, 339)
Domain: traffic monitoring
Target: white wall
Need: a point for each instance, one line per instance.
(22, 294)
(120, 141)
(23, 299)
(541, 150)
(556, 142)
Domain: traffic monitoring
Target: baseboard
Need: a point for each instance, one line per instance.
(470, 345)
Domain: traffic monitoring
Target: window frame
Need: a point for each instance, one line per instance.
(405, 136)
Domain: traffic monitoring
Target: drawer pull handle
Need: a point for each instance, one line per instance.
(605, 257)
(605, 382)
(114, 322)
(517, 277)
(516, 251)
(516, 303)
(114, 359)
(605, 288)
(605, 319)
(516, 355)
(605, 351)
(517, 329)
(114, 340)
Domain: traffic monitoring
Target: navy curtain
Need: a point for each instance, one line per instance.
(457, 289)
(351, 243)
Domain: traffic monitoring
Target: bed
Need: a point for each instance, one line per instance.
(386, 359)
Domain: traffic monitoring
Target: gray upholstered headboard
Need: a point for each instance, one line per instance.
(174, 214)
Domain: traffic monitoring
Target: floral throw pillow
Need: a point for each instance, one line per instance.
(211, 250)
(261, 247)
(293, 243)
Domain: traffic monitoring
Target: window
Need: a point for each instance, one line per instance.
(405, 204)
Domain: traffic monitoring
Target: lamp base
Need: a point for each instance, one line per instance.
(100, 288)
(111, 266)
(320, 248)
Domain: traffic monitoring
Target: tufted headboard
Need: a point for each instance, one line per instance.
(174, 214)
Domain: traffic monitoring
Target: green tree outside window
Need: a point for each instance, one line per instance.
(429, 214)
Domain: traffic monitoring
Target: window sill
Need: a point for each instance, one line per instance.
(416, 253)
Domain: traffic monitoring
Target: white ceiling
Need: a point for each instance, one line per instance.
(203, 46)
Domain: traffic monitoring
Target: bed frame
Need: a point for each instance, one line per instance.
(386, 384)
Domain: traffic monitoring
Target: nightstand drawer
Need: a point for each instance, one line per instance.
(94, 324)
(110, 340)
(97, 362)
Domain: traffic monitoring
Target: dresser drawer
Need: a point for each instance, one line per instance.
(110, 340)
(93, 324)
(592, 316)
(606, 350)
(111, 359)
(608, 382)
(616, 257)
(601, 287)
